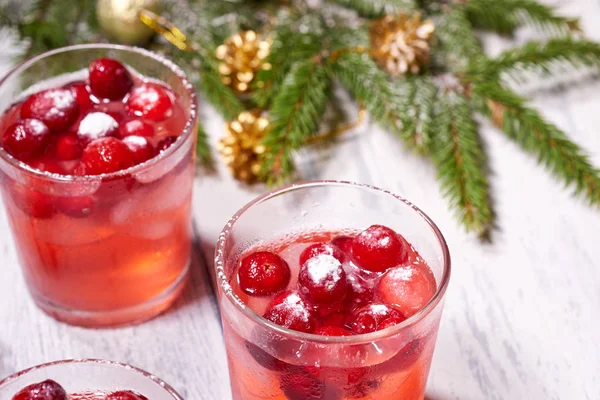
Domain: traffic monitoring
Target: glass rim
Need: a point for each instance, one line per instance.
(354, 339)
(94, 361)
(185, 133)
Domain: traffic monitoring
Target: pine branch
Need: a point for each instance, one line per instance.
(539, 56)
(460, 161)
(294, 116)
(377, 8)
(219, 95)
(565, 159)
(505, 16)
(203, 150)
(405, 107)
(456, 41)
(287, 48)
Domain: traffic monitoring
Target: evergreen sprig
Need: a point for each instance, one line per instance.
(506, 16)
(461, 163)
(433, 112)
(528, 128)
(540, 56)
(294, 116)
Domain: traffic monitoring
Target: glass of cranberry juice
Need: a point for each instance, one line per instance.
(87, 379)
(101, 247)
(316, 342)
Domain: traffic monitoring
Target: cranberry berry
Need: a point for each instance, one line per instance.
(137, 127)
(109, 79)
(125, 395)
(67, 147)
(343, 242)
(33, 203)
(106, 155)
(408, 288)
(151, 101)
(263, 273)
(290, 311)
(26, 139)
(301, 386)
(46, 164)
(97, 125)
(373, 318)
(46, 390)
(165, 143)
(57, 108)
(82, 96)
(322, 279)
(333, 331)
(378, 248)
(321, 248)
(141, 148)
(76, 207)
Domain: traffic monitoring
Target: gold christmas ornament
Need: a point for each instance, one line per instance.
(401, 44)
(120, 19)
(242, 56)
(241, 147)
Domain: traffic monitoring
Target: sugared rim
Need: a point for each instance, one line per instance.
(115, 364)
(187, 129)
(220, 261)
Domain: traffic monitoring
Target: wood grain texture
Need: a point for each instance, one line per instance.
(521, 317)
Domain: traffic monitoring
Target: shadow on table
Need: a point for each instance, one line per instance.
(200, 286)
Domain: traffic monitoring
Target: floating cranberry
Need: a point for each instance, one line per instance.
(141, 148)
(67, 147)
(33, 203)
(335, 318)
(360, 286)
(378, 248)
(321, 248)
(109, 79)
(370, 318)
(404, 358)
(57, 108)
(301, 386)
(82, 95)
(47, 164)
(46, 390)
(266, 360)
(165, 143)
(333, 331)
(125, 395)
(26, 139)
(106, 155)
(322, 279)
(137, 127)
(355, 382)
(407, 288)
(97, 125)
(343, 242)
(290, 311)
(152, 101)
(263, 273)
(76, 207)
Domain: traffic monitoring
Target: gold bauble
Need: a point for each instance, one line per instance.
(242, 55)
(401, 44)
(120, 19)
(242, 147)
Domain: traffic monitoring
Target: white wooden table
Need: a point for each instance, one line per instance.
(522, 314)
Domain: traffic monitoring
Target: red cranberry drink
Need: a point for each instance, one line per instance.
(342, 303)
(97, 170)
(85, 380)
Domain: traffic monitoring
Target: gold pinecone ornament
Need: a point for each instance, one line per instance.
(242, 56)
(241, 147)
(401, 44)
